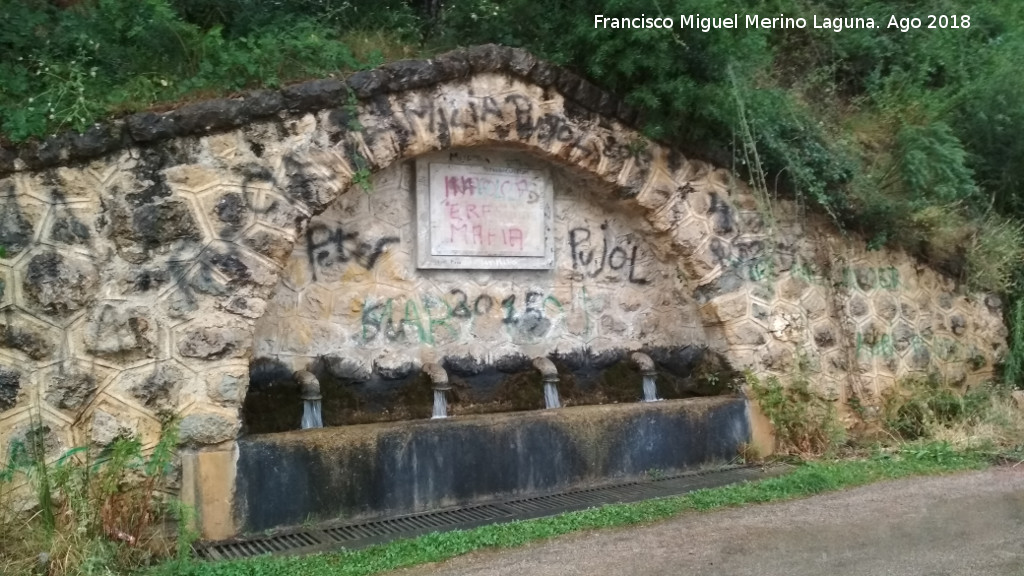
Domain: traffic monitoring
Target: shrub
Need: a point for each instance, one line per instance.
(928, 409)
(805, 422)
(70, 67)
(95, 512)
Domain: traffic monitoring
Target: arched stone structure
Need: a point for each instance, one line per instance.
(140, 256)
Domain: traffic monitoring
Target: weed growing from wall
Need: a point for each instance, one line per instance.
(361, 173)
(805, 422)
(95, 511)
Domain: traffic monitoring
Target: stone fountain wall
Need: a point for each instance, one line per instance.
(351, 291)
(149, 260)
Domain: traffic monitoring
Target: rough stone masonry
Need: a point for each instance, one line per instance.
(149, 260)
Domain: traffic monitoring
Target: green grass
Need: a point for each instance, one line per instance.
(805, 480)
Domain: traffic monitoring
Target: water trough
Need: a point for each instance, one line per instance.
(383, 469)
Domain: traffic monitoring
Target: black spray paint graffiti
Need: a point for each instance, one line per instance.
(67, 227)
(15, 227)
(613, 257)
(721, 215)
(754, 261)
(432, 318)
(532, 322)
(439, 118)
(328, 247)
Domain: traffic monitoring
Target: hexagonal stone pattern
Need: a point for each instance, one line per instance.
(353, 288)
(144, 281)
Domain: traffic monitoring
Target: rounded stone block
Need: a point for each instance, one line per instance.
(903, 336)
(71, 225)
(20, 216)
(744, 333)
(58, 285)
(908, 309)
(192, 177)
(814, 304)
(787, 323)
(276, 211)
(203, 428)
(886, 306)
(71, 387)
(6, 287)
(392, 202)
(395, 366)
(690, 233)
(22, 333)
(227, 211)
(227, 385)
(69, 183)
(213, 339)
(12, 382)
(105, 428)
(725, 309)
(44, 435)
(316, 302)
(778, 358)
(244, 306)
(167, 228)
(857, 307)
(157, 387)
(792, 289)
(825, 335)
(657, 197)
(274, 245)
(121, 334)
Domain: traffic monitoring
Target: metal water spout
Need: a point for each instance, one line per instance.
(549, 374)
(309, 390)
(646, 366)
(439, 382)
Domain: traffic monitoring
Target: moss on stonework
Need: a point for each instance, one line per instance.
(622, 382)
(521, 391)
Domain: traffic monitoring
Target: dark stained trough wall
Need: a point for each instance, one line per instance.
(392, 468)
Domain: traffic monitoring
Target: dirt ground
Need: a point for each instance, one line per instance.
(969, 524)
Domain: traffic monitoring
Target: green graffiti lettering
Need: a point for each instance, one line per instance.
(435, 322)
(882, 346)
(847, 279)
(553, 301)
(372, 318)
(889, 278)
(761, 270)
(412, 318)
(806, 272)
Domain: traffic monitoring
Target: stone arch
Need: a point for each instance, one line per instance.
(510, 113)
(353, 301)
(141, 254)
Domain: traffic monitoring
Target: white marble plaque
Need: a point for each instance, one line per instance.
(490, 216)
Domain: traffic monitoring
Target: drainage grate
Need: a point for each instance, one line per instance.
(415, 523)
(279, 544)
(371, 532)
(555, 503)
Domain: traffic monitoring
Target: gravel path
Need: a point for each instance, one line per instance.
(969, 524)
